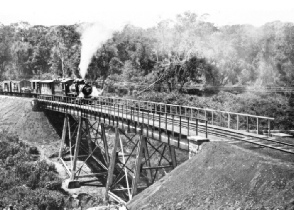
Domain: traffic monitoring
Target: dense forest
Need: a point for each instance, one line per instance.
(188, 50)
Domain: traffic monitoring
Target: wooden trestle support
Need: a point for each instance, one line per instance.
(123, 160)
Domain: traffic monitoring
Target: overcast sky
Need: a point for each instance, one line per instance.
(114, 13)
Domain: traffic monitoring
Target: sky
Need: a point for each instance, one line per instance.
(147, 13)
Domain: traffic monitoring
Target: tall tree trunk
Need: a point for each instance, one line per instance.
(62, 67)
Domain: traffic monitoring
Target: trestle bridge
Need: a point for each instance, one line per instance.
(144, 139)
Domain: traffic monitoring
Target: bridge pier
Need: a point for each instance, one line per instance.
(112, 164)
(80, 140)
(195, 143)
(135, 162)
(76, 151)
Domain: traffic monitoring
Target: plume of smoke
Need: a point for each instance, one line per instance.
(93, 35)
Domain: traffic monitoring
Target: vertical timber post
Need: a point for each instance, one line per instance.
(69, 139)
(63, 135)
(111, 164)
(172, 153)
(77, 147)
(146, 155)
(88, 136)
(103, 136)
(138, 165)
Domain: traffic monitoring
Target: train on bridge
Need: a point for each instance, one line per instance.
(62, 87)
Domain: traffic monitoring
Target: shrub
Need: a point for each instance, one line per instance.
(22, 183)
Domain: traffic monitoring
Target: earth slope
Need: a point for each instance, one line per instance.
(17, 117)
(222, 176)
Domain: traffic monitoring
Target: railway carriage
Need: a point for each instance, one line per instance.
(1, 87)
(35, 86)
(57, 88)
(20, 86)
(47, 87)
(7, 87)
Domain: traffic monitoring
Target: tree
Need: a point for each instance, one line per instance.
(6, 34)
(195, 70)
(65, 51)
(39, 60)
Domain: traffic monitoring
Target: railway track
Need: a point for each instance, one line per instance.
(185, 126)
(253, 139)
(221, 132)
(260, 140)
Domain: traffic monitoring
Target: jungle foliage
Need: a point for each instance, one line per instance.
(188, 50)
(23, 179)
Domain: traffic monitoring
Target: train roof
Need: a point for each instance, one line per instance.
(67, 80)
(50, 81)
(18, 81)
(46, 81)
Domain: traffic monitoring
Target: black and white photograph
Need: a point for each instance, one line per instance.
(146, 105)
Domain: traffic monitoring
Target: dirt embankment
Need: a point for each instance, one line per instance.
(222, 176)
(17, 117)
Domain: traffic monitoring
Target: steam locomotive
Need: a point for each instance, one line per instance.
(82, 89)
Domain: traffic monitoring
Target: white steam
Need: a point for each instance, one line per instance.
(93, 35)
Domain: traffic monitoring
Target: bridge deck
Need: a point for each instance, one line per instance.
(165, 128)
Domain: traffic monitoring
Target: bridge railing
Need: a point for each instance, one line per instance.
(230, 120)
(225, 119)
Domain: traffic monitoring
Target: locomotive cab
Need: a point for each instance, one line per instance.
(66, 83)
(74, 89)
